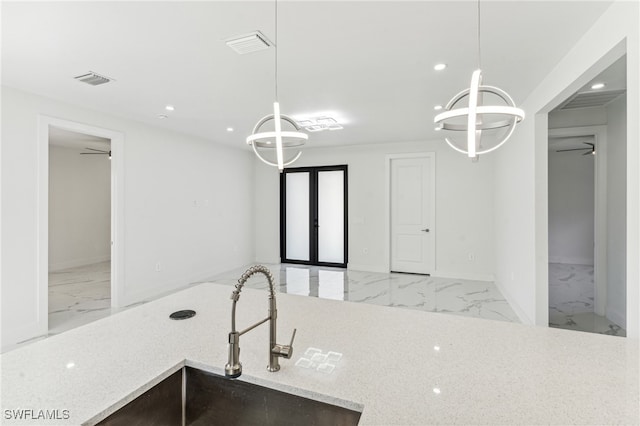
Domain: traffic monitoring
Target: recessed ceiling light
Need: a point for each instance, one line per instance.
(169, 108)
(229, 129)
(437, 107)
(598, 86)
(162, 116)
(439, 67)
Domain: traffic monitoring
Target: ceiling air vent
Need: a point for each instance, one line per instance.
(93, 79)
(248, 43)
(591, 99)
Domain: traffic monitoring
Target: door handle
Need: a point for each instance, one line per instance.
(425, 230)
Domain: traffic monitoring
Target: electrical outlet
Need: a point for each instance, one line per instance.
(472, 257)
(158, 267)
(365, 250)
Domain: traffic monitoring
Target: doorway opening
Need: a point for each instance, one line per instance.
(587, 207)
(313, 216)
(79, 228)
(80, 223)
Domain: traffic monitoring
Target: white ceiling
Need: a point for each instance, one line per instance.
(615, 77)
(615, 80)
(69, 139)
(370, 63)
(573, 142)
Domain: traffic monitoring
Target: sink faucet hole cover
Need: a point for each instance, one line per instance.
(184, 314)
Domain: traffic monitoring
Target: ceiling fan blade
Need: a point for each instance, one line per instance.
(575, 149)
(98, 150)
(94, 153)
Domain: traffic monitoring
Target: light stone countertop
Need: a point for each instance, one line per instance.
(485, 372)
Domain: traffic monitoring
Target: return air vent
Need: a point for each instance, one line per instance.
(591, 99)
(93, 79)
(248, 43)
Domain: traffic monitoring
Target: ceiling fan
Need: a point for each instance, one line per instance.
(97, 152)
(591, 149)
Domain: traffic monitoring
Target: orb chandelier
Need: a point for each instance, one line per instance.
(278, 138)
(486, 126)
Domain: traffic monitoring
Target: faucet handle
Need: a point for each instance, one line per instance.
(284, 351)
(293, 336)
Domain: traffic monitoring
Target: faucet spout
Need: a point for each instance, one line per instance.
(233, 368)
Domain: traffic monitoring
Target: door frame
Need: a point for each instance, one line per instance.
(313, 213)
(599, 134)
(117, 210)
(387, 221)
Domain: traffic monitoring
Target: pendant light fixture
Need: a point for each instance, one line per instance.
(278, 138)
(486, 126)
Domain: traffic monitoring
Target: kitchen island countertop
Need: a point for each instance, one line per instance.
(400, 366)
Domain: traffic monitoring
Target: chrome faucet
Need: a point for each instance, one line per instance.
(234, 367)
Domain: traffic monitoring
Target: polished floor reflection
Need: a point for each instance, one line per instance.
(571, 301)
(81, 295)
(477, 299)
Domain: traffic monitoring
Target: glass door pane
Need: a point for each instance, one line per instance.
(331, 216)
(297, 214)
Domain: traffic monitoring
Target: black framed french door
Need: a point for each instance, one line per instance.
(313, 216)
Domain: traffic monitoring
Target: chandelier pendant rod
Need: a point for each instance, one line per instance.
(282, 139)
(479, 45)
(276, 49)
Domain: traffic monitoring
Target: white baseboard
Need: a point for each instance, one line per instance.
(463, 276)
(164, 288)
(366, 268)
(439, 274)
(617, 317)
(524, 318)
(275, 260)
(571, 260)
(77, 262)
(13, 338)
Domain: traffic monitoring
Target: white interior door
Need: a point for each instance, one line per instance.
(412, 214)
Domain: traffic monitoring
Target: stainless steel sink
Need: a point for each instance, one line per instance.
(195, 397)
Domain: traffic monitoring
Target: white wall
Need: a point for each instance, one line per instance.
(521, 168)
(461, 187)
(571, 207)
(616, 211)
(164, 173)
(79, 208)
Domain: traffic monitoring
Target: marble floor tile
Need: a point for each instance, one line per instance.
(81, 295)
(477, 299)
(571, 301)
(78, 296)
